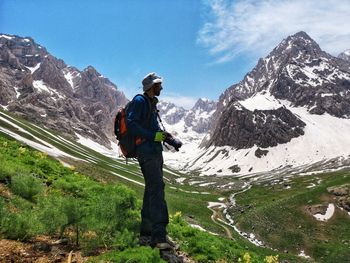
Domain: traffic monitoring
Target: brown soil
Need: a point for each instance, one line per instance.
(40, 250)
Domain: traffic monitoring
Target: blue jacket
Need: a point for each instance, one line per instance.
(143, 125)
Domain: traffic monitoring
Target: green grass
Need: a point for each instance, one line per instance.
(282, 221)
(93, 210)
(87, 176)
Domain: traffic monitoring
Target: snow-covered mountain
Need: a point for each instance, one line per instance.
(190, 126)
(345, 55)
(44, 90)
(290, 113)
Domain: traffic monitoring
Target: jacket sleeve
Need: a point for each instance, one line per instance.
(136, 117)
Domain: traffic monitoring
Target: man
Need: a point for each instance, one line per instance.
(142, 123)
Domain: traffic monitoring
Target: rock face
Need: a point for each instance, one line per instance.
(44, 90)
(263, 128)
(296, 71)
(345, 55)
(197, 119)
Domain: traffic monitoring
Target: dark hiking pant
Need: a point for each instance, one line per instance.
(154, 213)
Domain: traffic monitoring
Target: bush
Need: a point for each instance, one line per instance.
(92, 214)
(21, 224)
(51, 215)
(26, 186)
(6, 171)
(112, 217)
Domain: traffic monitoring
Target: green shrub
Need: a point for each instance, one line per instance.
(26, 186)
(7, 170)
(21, 224)
(113, 217)
(51, 215)
(92, 214)
(17, 226)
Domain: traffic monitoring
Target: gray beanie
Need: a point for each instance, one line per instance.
(149, 80)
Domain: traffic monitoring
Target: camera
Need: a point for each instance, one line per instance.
(171, 140)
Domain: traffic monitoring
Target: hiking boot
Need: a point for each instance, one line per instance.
(145, 240)
(171, 242)
(164, 246)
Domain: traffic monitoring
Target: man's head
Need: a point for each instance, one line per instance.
(152, 84)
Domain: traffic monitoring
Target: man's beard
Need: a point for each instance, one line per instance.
(157, 92)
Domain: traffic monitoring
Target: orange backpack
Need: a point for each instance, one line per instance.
(127, 142)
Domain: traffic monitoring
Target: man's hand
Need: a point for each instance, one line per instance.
(160, 136)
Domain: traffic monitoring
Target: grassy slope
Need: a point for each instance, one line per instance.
(193, 205)
(281, 218)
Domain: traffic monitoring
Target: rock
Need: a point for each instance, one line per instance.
(198, 118)
(317, 209)
(44, 247)
(259, 153)
(339, 190)
(171, 257)
(264, 128)
(235, 168)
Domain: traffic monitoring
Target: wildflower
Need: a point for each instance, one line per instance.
(271, 259)
(41, 155)
(246, 257)
(22, 150)
(178, 214)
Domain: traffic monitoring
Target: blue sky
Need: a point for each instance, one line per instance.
(199, 47)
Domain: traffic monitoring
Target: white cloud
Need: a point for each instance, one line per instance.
(178, 100)
(255, 27)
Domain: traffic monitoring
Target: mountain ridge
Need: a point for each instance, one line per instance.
(298, 81)
(46, 91)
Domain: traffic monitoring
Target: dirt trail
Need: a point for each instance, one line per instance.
(214, 217)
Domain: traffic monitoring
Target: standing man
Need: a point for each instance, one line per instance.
(142, 122)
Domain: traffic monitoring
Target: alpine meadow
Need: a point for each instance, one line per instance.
(260, 174)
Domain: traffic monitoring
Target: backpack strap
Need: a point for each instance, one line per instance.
(148, 101)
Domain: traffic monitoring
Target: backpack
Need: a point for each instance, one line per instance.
(127, 142)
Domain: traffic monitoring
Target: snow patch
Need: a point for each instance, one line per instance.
(261, 101)
(41, 86)
(112, 153)
(216, 204)
(33, 69)
(7, 37)
(180, 180)
(329, 213)
(17, 92)
(42, 146)
(302, 254)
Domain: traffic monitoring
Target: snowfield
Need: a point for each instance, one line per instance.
(326, 138)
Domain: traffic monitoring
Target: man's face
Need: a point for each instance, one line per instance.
(157, 88)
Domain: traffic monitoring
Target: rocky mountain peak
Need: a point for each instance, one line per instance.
(297, 45)
(91, 72)
(204, 104)
(197, 119)
(24, 50)
(298, 71)
(43, 89)
(170, 113)
(345, 55)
